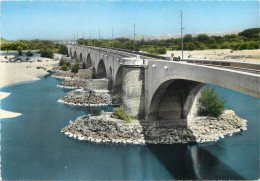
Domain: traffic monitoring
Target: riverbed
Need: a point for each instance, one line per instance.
(32, 146)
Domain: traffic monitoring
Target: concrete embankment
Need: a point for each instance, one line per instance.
(105, 128)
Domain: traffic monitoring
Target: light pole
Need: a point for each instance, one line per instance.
(181, 38)
(134, 36)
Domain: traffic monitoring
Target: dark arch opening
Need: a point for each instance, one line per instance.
(101, 70)
(173, 99)
(117, 87)
(75, 55)
(88, 62)
(80, 57)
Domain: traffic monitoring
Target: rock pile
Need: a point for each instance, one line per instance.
(87, 97)
(84, 98)
(214, 128)
(106, 129)
(74, 83)
(65, 75)
(98, 129)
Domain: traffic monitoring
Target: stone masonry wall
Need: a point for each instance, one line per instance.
(133, 98)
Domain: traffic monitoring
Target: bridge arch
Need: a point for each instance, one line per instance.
(80, 57)
(101, 70)
(88, 62)
(75, 55)
(117, 85)
(174, 99)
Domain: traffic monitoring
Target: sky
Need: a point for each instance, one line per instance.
(62, 20)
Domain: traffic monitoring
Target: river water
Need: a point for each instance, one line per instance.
(32, 146)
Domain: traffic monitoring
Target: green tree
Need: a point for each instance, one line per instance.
(64, 67)
(203, 38)
(48, 53)
(249, 33)
(63, 49)
(75, 67)
(187, 38)
(62, 60)
(162, 50)
(29, 53)
(210, 104)
(20, 50)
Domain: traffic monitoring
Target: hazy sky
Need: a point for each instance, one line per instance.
(63, 19)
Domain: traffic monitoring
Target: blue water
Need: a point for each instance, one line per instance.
(23, 56)
(34, 148)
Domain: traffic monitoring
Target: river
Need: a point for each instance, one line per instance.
(32, 146)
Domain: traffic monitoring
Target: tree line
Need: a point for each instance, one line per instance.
(247, 39)
(46, 48)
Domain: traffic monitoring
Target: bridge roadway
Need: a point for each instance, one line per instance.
(157, 89)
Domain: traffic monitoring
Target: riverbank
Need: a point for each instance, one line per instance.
(3, 113)
(105, 128)
(13, 73)
(221, 54)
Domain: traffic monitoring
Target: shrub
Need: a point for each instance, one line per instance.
(63, 50)
(68, 64)
(210, 104)
(120, 113)
(48, 53)
(224, 46)
(95, 112)
(75, 67)
(213, 46)
(20, 50)
(162, 50)
(64, 67)
(61, 62)
(29, 54)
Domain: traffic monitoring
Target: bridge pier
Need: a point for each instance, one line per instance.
(133, 95)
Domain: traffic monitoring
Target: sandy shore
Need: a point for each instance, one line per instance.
(222, 54)
(3, 113)
(13, 73)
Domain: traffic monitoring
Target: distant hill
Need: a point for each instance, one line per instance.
(169, 36)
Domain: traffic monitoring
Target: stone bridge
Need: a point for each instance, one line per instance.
(158, 89)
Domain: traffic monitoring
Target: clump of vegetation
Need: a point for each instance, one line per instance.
(62, 49)
(210, 104)
(162, 50)
(29, 53)
(119, 113)
(62, 60)
(64, 67)
(95, 112)
(20, 50)
(46, 52)
(75, 67)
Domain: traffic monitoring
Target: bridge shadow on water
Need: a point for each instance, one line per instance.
(189, 161)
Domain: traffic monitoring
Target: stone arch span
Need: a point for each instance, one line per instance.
(174, 100)
(101, 70)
